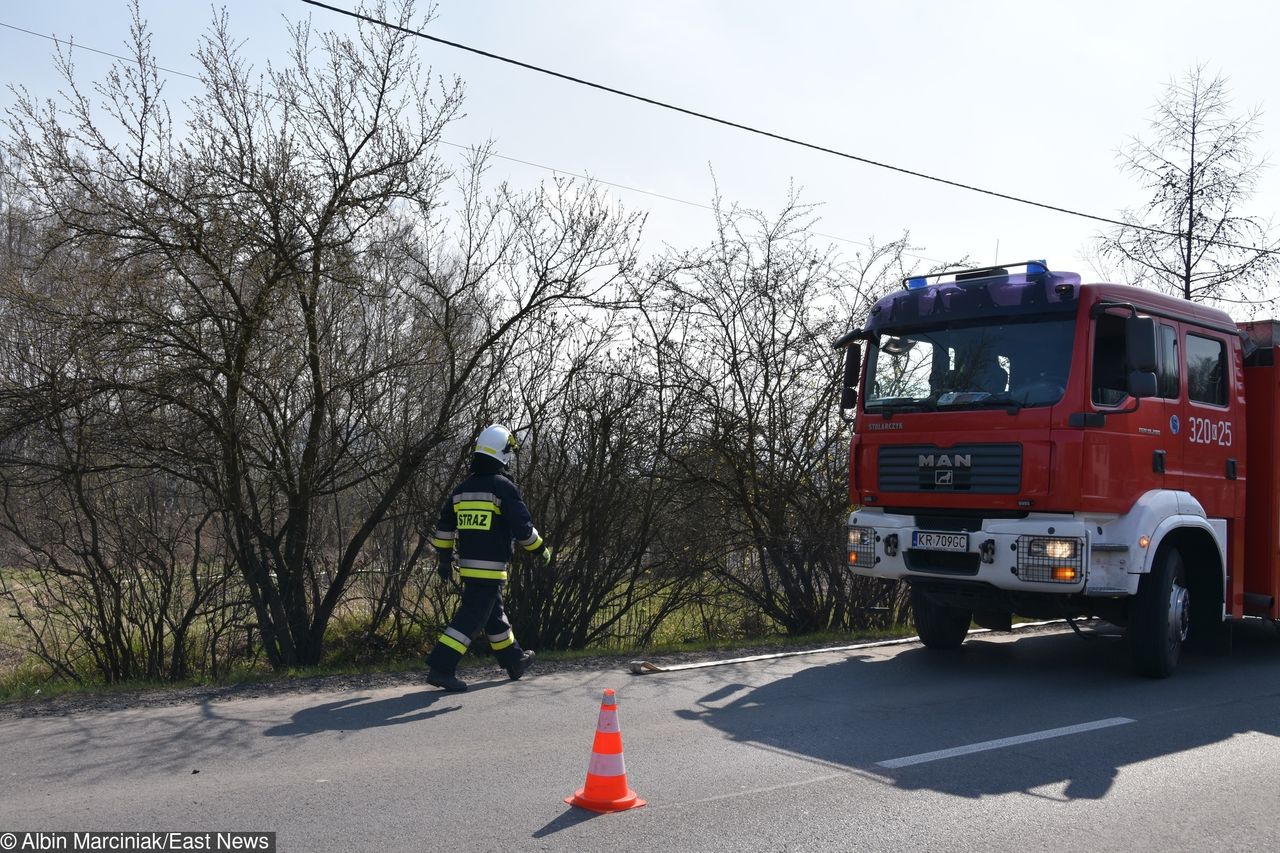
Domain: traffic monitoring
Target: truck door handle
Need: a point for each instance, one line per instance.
(1157, 461)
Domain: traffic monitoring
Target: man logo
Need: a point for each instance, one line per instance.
(943, 460)
(944, 478)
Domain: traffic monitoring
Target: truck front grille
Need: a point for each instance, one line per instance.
(993, 469)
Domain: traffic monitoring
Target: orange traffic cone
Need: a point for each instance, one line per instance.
(606, 789)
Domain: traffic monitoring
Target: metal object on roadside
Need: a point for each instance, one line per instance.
(640, 667)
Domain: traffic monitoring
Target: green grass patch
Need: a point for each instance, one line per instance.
(30, 679)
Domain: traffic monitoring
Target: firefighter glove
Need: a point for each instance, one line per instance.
(445, 567)
(545, 553)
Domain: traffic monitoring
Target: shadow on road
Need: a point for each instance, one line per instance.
(869, 709)
(570, 818)
(358, 713)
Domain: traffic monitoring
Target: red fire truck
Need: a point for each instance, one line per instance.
(1027, 444)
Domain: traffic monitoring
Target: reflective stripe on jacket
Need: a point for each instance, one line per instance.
(479, 522)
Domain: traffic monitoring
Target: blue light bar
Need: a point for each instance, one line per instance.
(1037, 268)
(917, 283)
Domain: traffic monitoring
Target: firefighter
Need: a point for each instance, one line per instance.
(478, 523)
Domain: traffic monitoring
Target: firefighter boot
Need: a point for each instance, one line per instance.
(448, 681)
(520, 667)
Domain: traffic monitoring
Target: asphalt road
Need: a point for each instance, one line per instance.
(1036, 742)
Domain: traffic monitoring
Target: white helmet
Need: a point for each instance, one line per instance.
(499, 442)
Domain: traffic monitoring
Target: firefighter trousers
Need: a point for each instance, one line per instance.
(481, 607)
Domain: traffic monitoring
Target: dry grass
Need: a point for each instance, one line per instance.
(12, 640)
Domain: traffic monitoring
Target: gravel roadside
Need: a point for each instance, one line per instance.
(75, 704)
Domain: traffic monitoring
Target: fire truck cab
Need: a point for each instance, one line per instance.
(1027, 444)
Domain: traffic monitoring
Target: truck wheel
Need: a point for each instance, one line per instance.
(1160, 617)
(939, 626)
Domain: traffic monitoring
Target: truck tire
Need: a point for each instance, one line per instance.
(939, 626)
(1160, 617)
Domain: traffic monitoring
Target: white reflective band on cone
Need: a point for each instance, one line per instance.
(606, 765)
(608, 721)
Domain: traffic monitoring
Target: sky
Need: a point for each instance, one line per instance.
(1030, 99)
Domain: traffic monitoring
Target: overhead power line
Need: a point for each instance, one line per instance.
(79, 46)
(769, 134)
(694, 113)
(552, 169)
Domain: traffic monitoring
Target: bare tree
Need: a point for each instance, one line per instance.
(763, 462)
(111, 564)
(1199, 167)
(268, 335)
(305, 330)
(599, 422)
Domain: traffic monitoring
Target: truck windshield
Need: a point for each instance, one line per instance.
(1014, 363)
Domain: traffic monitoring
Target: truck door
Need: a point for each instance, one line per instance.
(1211, 421)
(1129, 454)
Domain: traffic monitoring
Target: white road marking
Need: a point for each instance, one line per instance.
(1003, 742)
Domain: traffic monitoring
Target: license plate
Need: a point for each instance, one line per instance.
(940, 541)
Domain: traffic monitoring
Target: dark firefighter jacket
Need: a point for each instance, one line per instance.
(480, 520)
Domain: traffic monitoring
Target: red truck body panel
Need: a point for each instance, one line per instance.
(1260, 591)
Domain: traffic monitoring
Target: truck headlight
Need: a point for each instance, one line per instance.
(861, 537)
(862, 547)
(1050, 559)
(1055, 549)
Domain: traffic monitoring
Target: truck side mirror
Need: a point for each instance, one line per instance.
(1140, 344)
(1142, 383)
(849, 385)
(1140, 355)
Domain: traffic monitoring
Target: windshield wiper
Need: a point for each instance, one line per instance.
(981, 400)
(902, 404)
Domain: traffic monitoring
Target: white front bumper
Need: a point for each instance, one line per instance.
(993, 556)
